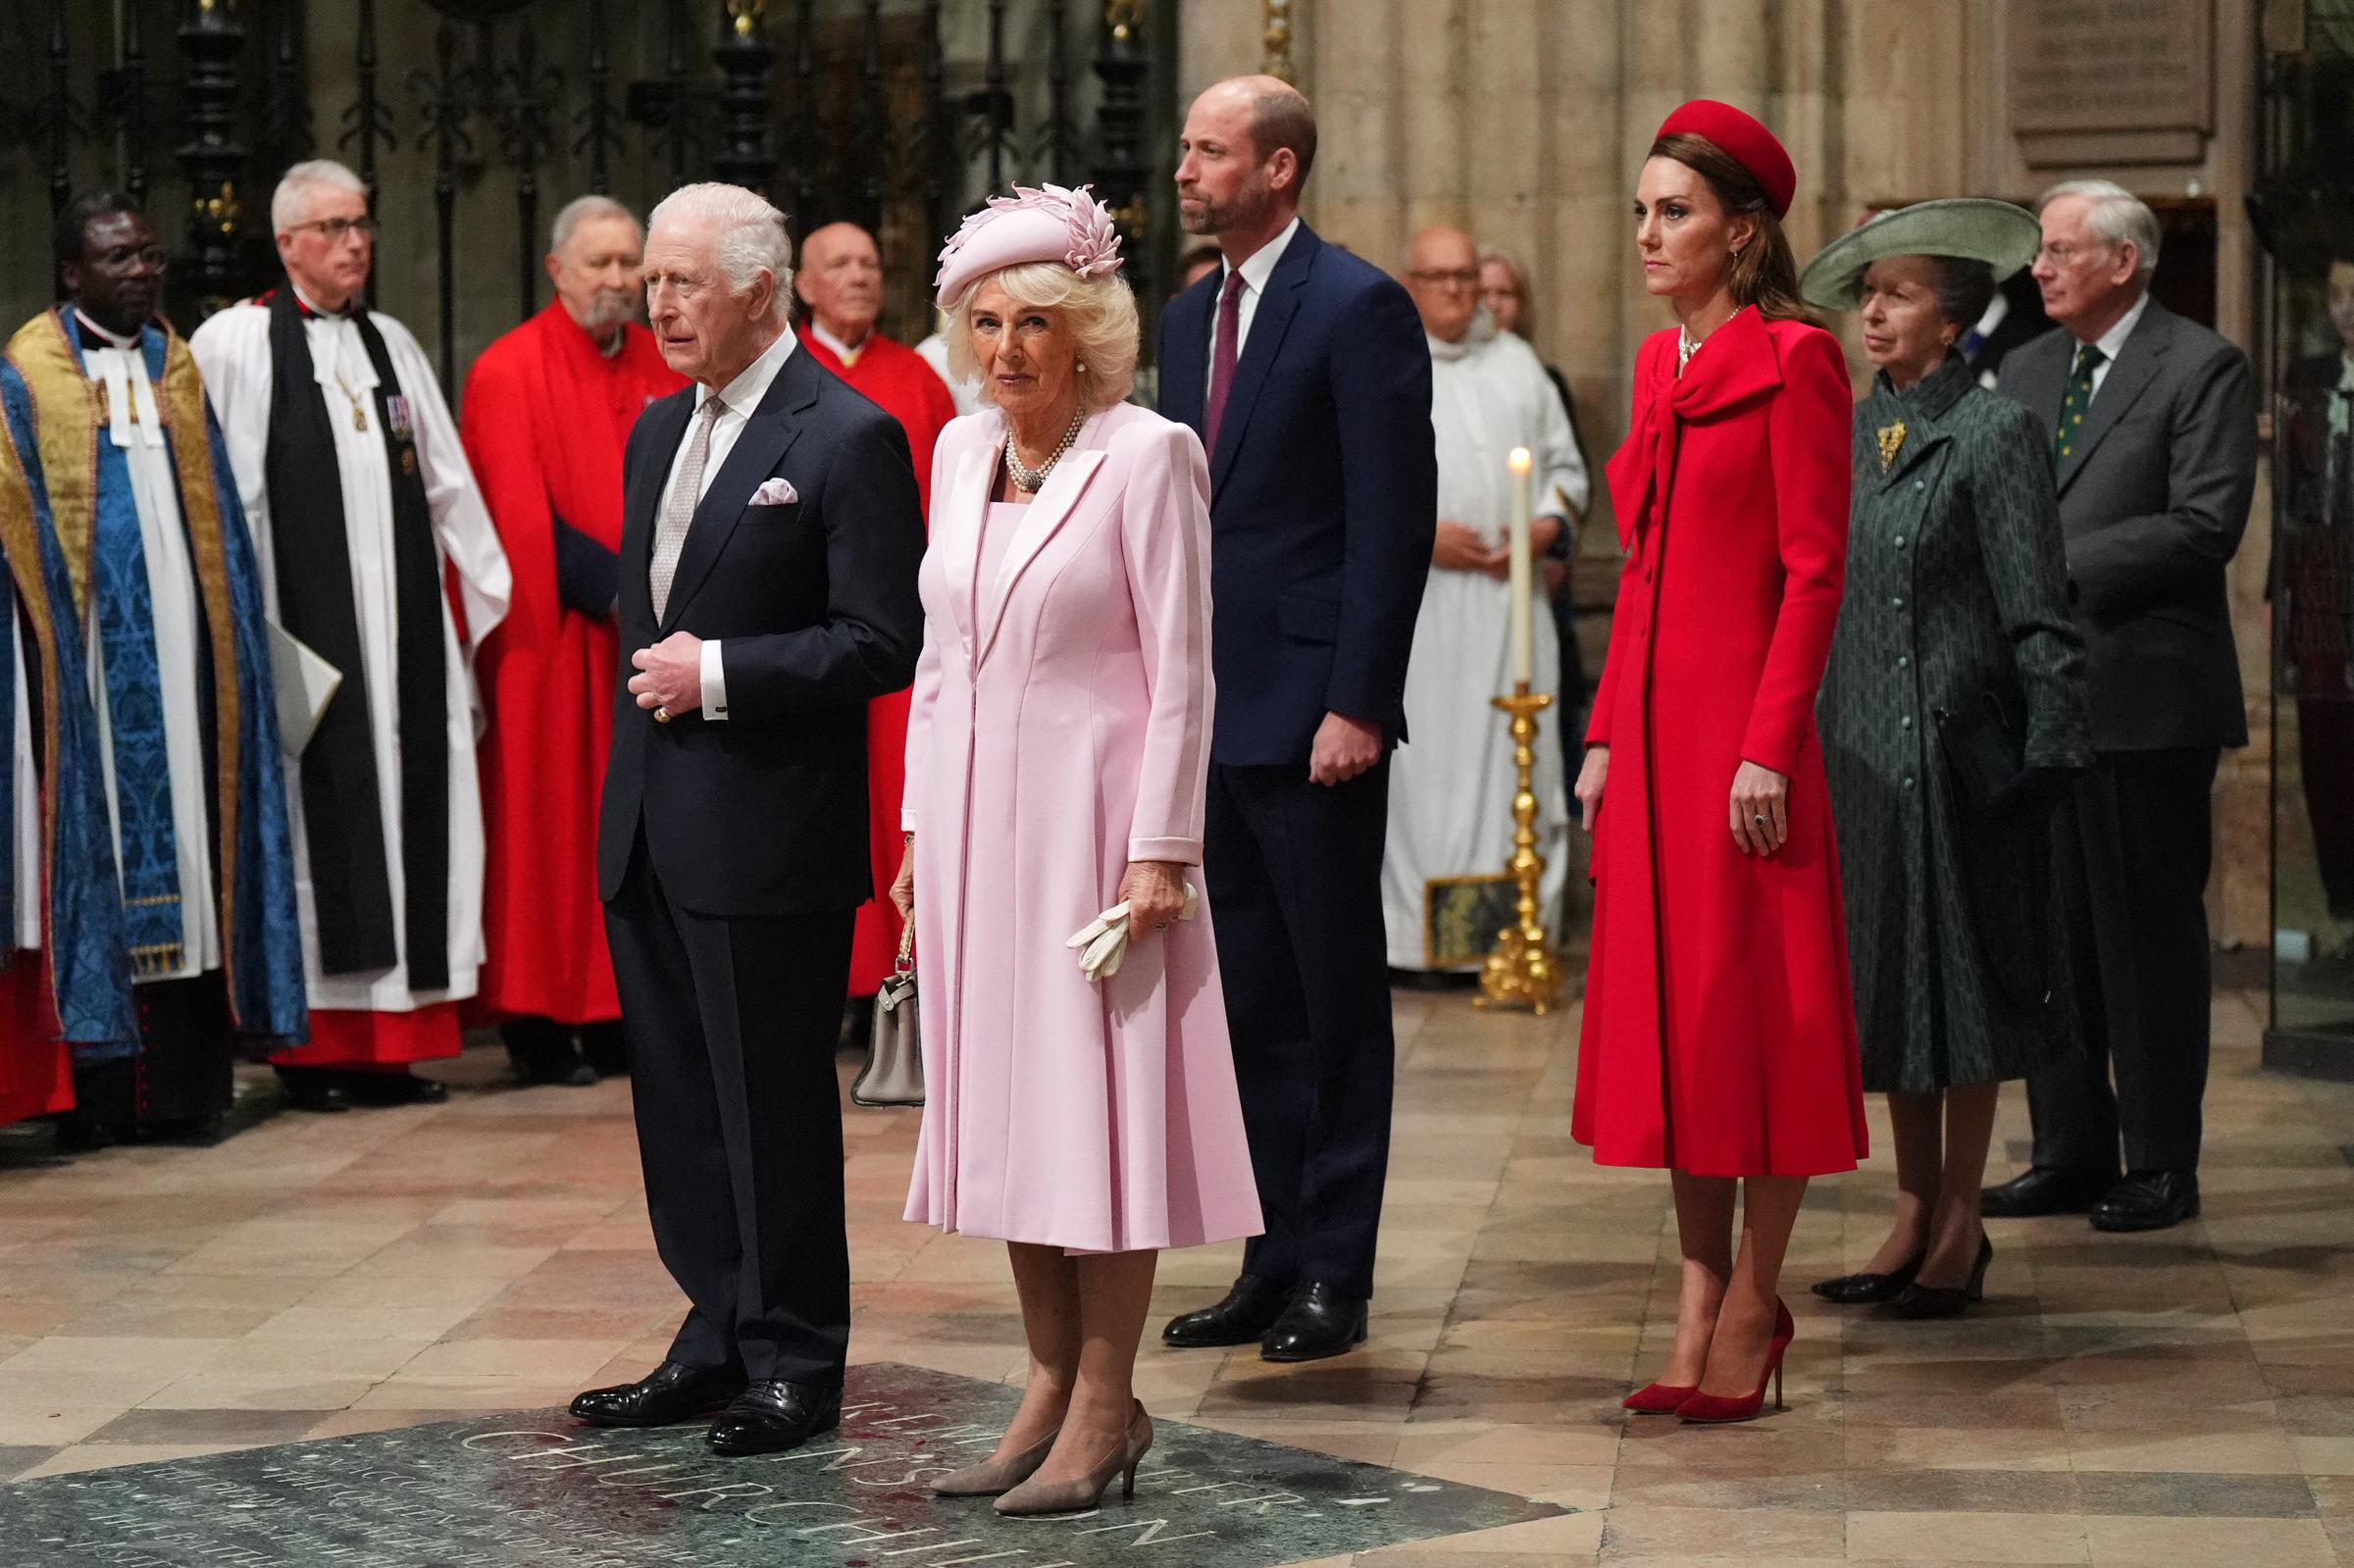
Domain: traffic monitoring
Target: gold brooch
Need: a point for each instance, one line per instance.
(1892, 441)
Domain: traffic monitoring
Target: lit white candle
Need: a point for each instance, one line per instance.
(1524, 573)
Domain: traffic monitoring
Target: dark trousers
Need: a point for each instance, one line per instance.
(1295, 880)
(731, 1025)
(2133, 849)
(2325, 757)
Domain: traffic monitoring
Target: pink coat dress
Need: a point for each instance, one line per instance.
(1060, 729)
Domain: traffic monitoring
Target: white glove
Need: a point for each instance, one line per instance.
(1103, 941)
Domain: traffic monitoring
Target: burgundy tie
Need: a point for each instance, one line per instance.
(1221, 361)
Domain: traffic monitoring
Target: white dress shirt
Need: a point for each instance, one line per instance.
(741, 397)
(2113, 340)
(847, 353)
(1255, 271)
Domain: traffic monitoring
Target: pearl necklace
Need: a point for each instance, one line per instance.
(1027, 479)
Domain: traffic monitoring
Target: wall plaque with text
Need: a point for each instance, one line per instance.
(2111, 81)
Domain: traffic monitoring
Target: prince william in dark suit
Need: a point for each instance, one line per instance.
(1305, 374)
(770, 540)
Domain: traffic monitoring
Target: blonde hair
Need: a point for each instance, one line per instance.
(1101, 311)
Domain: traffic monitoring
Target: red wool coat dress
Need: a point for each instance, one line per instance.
(1719, 1031)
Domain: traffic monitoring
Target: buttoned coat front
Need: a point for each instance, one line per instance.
(1060, 728)
(1720, 1035)
(1956, 588)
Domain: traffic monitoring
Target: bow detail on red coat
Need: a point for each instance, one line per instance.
(1736, 364)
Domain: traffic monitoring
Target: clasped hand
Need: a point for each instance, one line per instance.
(670, 675)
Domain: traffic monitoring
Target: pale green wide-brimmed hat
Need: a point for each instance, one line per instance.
(1997, 233)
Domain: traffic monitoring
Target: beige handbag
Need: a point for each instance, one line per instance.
(894, 1074)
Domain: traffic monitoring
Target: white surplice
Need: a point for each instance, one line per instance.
(232, 349)
(136, 429)
(1451, 785)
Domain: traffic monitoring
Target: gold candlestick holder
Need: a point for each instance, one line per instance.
(1524, 970)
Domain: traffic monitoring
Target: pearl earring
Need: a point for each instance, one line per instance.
(1083, 367)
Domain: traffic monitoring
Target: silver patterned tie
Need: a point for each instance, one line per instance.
(670, 537)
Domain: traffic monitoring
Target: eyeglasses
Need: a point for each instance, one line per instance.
(2061, 254)
(334, 229)
(1464, 277)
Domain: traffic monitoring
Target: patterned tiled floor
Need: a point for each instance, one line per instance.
(2187, 1397)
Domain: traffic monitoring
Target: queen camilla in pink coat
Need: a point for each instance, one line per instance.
(1057, 754)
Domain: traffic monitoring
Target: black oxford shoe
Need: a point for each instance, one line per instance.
(771, 1417)
(1249, 1309)
(1320, 1322)
(669, 1394)
(2149, 1200)
(2045, 1190)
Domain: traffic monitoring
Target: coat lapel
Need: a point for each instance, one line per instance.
(1187, 354)
(1268, 323)
(1041, 520)
(669, 419)
(2137, 365)
(767, 436)
(959, 538)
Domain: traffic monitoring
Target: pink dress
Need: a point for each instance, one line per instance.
(1060, 729)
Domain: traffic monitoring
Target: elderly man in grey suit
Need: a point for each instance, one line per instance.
(2154, 441)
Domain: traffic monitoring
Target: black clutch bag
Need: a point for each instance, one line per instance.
(1986, 743)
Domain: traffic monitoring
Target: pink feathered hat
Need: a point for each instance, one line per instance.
(1046, 224)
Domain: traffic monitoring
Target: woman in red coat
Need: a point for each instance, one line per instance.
(1719, 1035)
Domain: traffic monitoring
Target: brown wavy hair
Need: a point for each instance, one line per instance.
(1764, 274)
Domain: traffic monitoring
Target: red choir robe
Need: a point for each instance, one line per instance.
(37, 1065)
(897, 378)
(545, 421)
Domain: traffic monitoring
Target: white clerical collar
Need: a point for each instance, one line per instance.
(319, 313)
(847, 353)
(2114, 339)
(105, 339)
(1259, 265)
(745, 394)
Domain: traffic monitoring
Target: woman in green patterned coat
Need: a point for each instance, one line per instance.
(1951, 714)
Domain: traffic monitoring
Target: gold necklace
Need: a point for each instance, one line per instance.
(359, 415)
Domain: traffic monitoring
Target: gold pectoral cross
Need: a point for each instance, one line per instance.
(1892, 441)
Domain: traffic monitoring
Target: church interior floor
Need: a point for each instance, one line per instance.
(2178, 1398)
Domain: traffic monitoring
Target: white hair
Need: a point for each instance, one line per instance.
(290, 203)
(2114, 214)
(752, 235)
(580, 210)
(1100, 312)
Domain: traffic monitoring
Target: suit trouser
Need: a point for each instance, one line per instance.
(2134, 845)
(1294, 870)
(731, 1025)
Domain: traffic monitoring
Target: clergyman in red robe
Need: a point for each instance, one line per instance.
(840, 285)
(547, 410)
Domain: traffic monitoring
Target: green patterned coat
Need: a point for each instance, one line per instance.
(1954, 584)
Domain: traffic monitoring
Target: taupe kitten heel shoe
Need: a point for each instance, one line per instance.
(993, 1478)
(1037, 1497)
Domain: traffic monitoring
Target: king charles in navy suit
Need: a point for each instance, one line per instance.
(1304, 371)
(770, 537)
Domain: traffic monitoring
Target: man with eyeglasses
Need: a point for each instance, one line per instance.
(2153, 423)
(361, 499)
(137, 707)
(1450, 797)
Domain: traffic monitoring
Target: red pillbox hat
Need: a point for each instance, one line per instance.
(1745, 140)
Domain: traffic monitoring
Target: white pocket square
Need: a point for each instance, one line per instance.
(1103, 941)
(775, 492)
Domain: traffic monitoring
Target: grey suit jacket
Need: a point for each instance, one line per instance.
(2153, 501)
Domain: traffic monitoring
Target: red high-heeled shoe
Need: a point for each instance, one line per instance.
(1659, 1398)
(1710, 1409)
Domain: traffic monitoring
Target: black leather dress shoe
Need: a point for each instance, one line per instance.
(2045, 1190)
(669, 1394)
(1320, 1322)
(2149, 1200)
(1249, 1309)
(393, 1089)
(312, 1089)
(771, 1417)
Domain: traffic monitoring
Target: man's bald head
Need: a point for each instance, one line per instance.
(840, 281)
(1247, 145)
(1442, 273)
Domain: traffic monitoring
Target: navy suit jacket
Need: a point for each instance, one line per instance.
(764, 814)
(1324, 497)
